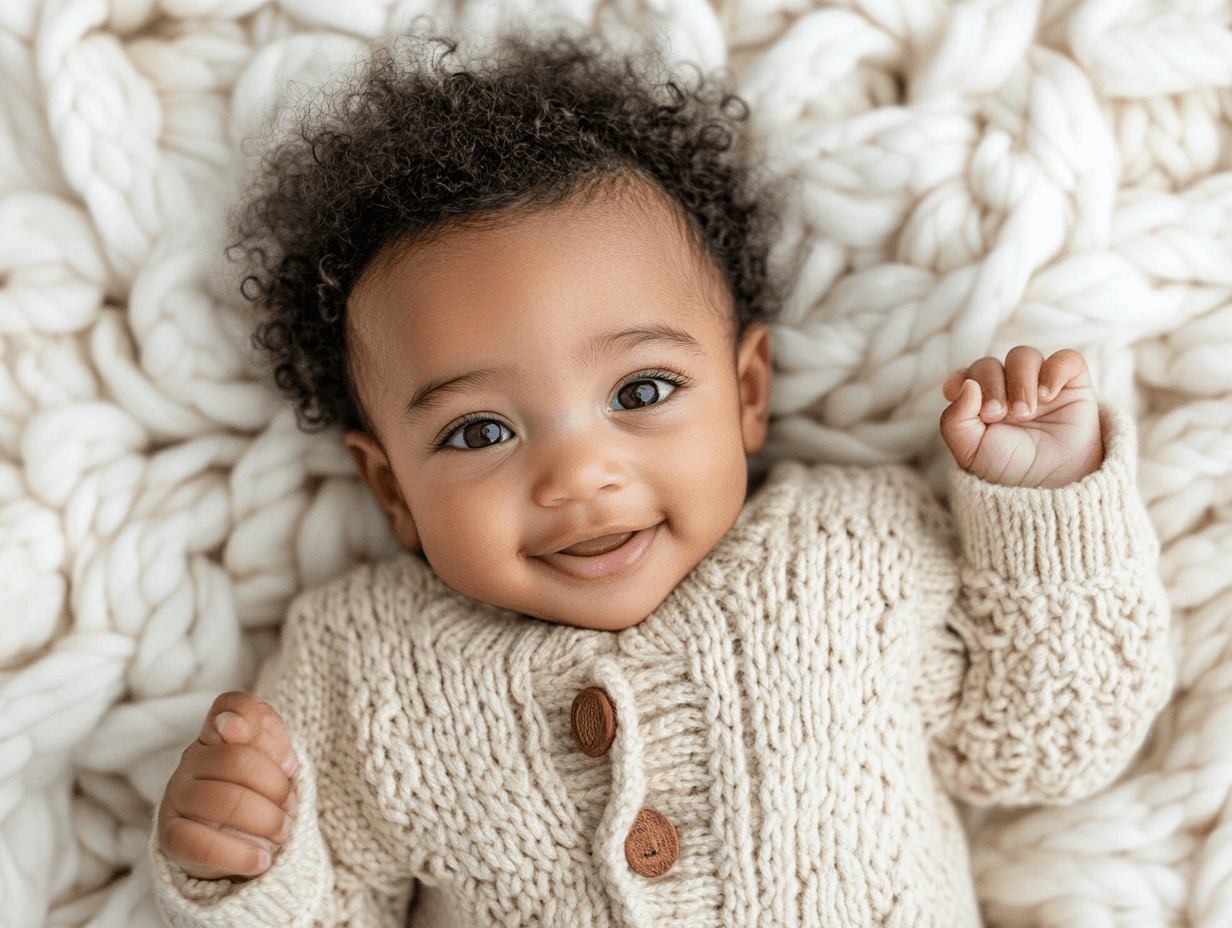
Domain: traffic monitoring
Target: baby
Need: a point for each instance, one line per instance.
(610, 682)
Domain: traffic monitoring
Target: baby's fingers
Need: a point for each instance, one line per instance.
(244, 766)
(989, 375)
(206, 853)
(1065, 368)
(1022, 369)
(216, 802)
(961, 425)
(241, 718)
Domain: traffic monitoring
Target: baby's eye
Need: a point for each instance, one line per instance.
(645, 391)
(481, 433)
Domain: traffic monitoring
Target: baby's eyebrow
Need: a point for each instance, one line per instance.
(651, 332)
(430, 394)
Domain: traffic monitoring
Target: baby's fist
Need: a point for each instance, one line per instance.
(1029, 423)
(227, 809)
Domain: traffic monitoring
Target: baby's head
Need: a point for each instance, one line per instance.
(535, 295)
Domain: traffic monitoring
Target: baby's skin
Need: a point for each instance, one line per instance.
(564, 280)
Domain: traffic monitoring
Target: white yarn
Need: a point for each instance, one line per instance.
(972, 175)
(1187, 465)
(61, 443)
(39, 372)
(754, 22)
(343, 525)
(129, 902)
(113, 354)
(31, 556)
(221, 9)
(982, 41)
(815, 68)
(1211, 900)
(37, 853)
(193, 348)
(361, 17)
(690, 27)
(49, 260)
(915, 23)
(18, 17)
(1179, 238)
(191, 73)
(1195, 567)
(27, 152)
(1145, 48)
(267, 503)
(1167, 141)
(107, 122)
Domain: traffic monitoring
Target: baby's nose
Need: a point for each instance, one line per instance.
(578, 469)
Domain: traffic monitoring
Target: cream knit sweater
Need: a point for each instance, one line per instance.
(799, 708)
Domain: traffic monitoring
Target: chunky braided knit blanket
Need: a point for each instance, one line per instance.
(973, 175)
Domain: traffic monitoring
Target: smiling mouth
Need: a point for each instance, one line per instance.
(592, 547)
(604, 555)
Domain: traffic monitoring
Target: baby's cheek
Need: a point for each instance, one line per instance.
(466, 537)
(710, 481)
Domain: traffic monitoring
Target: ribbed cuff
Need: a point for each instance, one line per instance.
(1064, 534)
(288, 895)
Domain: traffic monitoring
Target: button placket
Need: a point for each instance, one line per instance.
(630, 841)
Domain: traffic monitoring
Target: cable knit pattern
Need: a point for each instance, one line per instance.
(798, 708)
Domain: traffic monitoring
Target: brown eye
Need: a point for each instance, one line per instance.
(641, 393)
(482, 433)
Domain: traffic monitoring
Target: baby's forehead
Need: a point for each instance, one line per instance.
(646, 225)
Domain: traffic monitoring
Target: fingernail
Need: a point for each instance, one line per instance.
(993, 408)
(263, 859)
(285, 831)
(223, 719)
(1045, 393)
(1021, 410)
(292, 803)
(290, 763)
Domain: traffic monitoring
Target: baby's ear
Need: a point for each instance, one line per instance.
(373, 464)
(753, 372)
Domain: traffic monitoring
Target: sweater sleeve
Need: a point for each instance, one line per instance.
(1048, 660)
(333, 870)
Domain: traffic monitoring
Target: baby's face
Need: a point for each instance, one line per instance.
(561, 412)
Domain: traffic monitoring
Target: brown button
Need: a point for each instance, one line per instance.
(653, 845)
(593, 720)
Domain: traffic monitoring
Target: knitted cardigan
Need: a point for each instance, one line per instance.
(799, 707)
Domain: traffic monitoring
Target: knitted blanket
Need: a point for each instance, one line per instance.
(972, 175)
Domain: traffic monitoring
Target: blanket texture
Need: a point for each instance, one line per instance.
(972, 175)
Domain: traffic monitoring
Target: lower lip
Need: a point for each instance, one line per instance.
(615, 561)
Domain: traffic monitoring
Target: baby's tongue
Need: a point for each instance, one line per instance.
(600, 545)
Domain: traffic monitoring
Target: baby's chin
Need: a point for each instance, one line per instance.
(600, 615)
(603, 611)
(604, 623)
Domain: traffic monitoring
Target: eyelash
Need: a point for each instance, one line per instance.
(675, 379)
(442, 443)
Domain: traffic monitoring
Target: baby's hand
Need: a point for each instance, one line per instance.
(1032, 423)
(228, 806)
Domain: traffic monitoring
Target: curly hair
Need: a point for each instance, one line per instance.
(410, 146)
